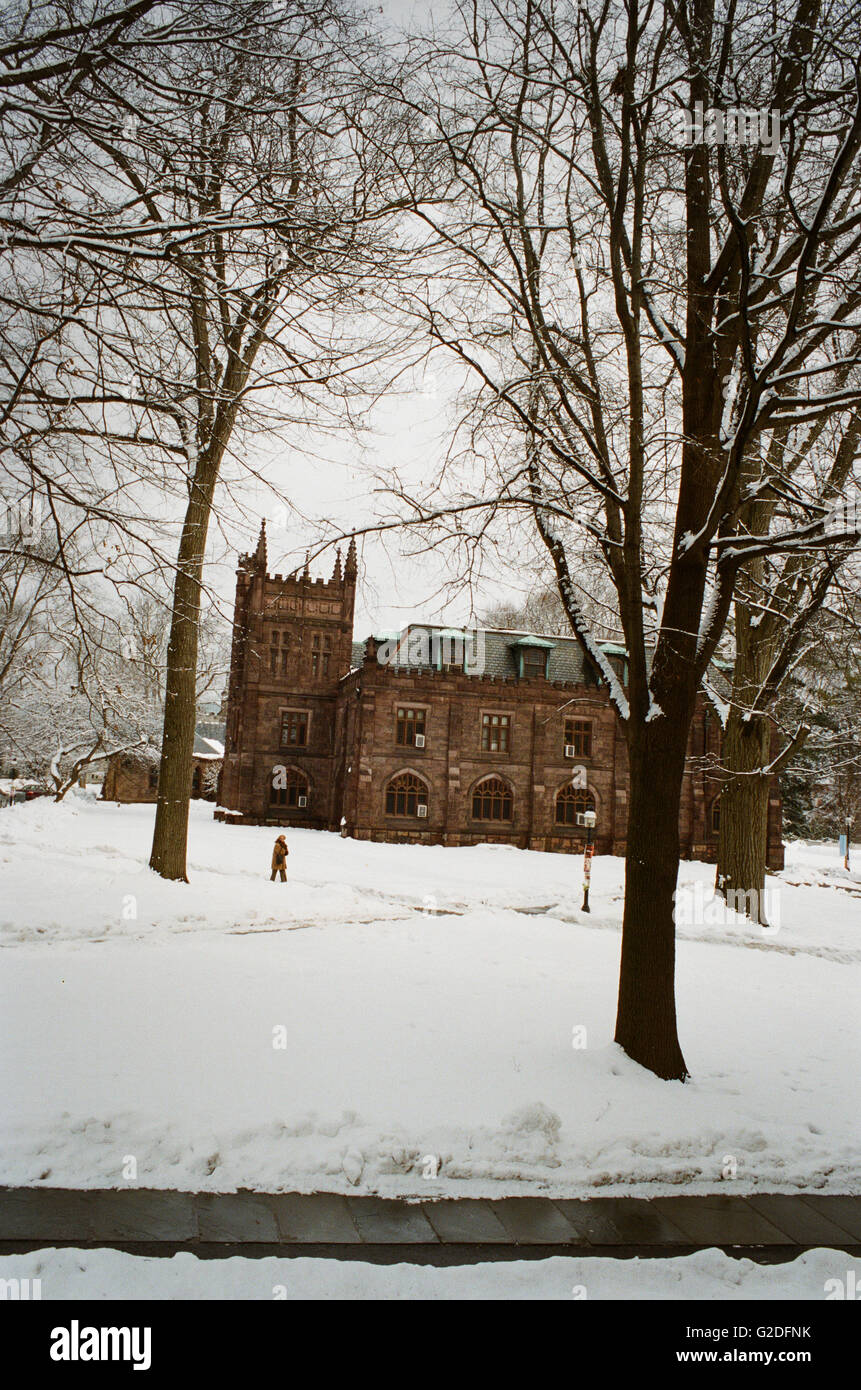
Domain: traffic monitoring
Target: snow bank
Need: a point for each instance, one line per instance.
(709, 1274)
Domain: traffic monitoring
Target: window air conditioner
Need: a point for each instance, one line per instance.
(301, 801)
(421, 811)
(420, 740)
(570, 750)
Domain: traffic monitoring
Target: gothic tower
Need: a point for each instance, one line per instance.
(292, 645)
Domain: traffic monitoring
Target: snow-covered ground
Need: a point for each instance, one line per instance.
(395, 1010)
(708, 1275)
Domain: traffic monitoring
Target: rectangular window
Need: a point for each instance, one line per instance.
(294, 728)
(315, 663)
(495, 733)
(278, 648)
(409, 723)
(578, 735)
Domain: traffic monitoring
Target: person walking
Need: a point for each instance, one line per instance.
(279, 859)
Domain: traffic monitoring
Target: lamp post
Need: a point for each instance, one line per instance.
(589, 819)
(849, 820)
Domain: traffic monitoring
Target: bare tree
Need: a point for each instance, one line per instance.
(778, 598)
(647, 277)
(71, 692)
(74, 75)
(822, 785)
(65, 83)
(233, 230)
(543, 611)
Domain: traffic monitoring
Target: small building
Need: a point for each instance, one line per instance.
(133, 777)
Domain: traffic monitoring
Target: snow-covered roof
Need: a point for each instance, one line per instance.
(205, 747)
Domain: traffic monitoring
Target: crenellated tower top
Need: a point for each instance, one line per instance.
(293, 630)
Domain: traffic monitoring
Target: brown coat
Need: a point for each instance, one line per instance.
(279, 853)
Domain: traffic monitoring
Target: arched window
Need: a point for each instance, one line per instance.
(406, 795)
(289, 788)
(572, 801)
(714, 817)
(492, 799)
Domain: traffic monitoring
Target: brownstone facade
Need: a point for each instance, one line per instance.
(431, 735)
(130, 779)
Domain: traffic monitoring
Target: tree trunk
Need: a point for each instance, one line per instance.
(646, 1015)
(170, 836)
(743, 835)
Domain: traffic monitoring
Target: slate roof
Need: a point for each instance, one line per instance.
(566, 661)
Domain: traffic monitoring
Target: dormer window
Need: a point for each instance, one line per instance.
(534, 661)
(618, 659)
(531, 655)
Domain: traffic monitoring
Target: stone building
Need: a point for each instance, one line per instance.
(133, 777)
(432, 734)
